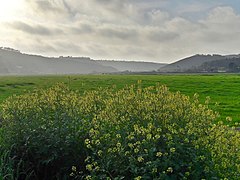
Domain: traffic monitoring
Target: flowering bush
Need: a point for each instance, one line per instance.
(133, 133)
(45, 131)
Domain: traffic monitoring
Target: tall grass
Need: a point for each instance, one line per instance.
(6, 166)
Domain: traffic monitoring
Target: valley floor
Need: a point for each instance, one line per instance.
(223, 89)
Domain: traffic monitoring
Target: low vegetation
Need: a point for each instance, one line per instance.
(224, 89)
(110, 133)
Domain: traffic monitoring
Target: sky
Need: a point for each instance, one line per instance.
(145, 30)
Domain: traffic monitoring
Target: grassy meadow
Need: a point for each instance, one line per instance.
(223, 90)
(119, 127)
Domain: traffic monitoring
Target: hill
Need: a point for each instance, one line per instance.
(13, 62)
(204, 63)
(222, 65)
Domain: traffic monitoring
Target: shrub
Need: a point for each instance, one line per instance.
(155, 134)
(45, 131)
(133, 133)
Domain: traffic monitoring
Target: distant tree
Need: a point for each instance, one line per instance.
(232, 67)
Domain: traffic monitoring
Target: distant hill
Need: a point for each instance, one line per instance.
(222, 65)
(13, 62)
(204, 63)
(132, 66)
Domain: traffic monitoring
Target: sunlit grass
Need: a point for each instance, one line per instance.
(223, 90)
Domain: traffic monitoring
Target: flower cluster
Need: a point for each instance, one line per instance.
(152, 133)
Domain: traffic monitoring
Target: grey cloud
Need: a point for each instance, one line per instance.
(36, 45)
(112, 4)
(120, 33)
(123, 29)
(44, 6)
(34, 30)
(43, 47)
(69, 9)
(69, 47)
(138, 52)
(162, 36)
(181, 25)
(82, 28)
(120, 11)
(57, 10)
(105, 10)
(157, 16)
(218, 37)
(99, 49)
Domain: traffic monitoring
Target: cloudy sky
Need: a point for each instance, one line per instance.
(150, 30)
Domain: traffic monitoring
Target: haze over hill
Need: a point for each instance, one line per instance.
(13, 62)
(205, 63)
(133, 66)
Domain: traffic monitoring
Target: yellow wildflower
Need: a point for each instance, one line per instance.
(88, 177)
(100, 153)
(159, 154)
(138, 178)
(170, 170)
(154, 170)
(140, 159)
(74, 169)
(172, 150)
(89, 167)
(136, 150)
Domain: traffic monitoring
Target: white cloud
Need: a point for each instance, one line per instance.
(222, 25)
(156, 16)
(113, 29)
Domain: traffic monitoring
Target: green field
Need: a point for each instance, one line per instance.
(222, 89)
